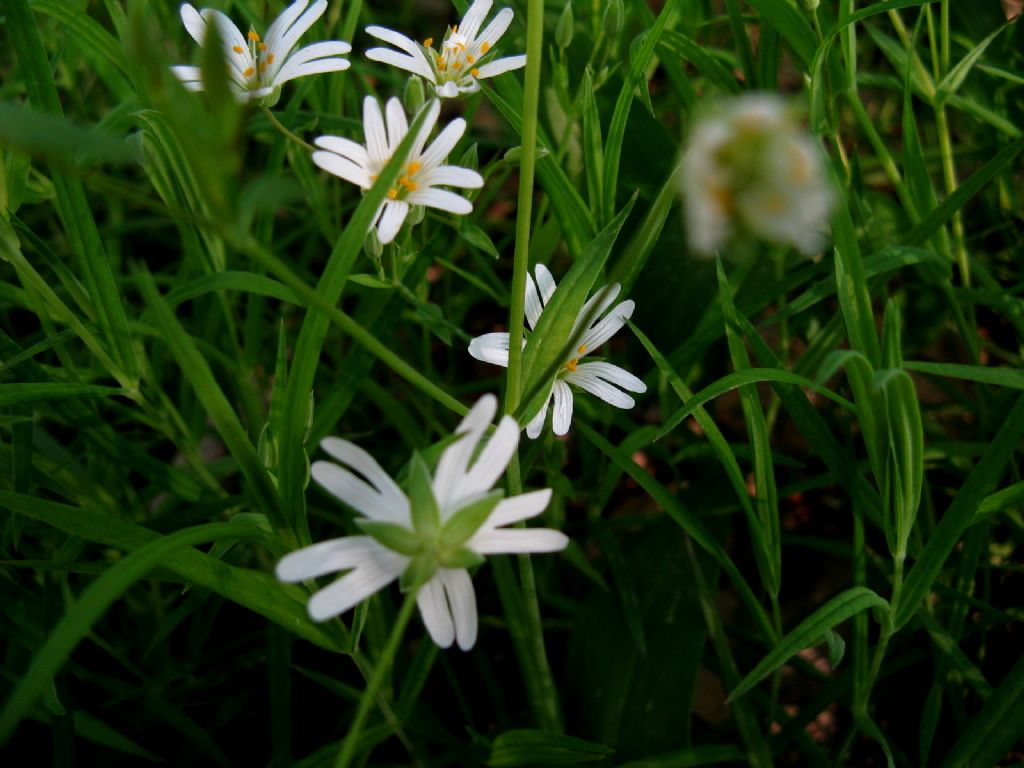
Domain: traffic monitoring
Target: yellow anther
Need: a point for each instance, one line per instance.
(404, 181)
(392, 194)
(457, 65)
(485, 47)
(582, 350)
(249, 72)
(253, 37)
(263, 67)
(428, 42)
(440, 62)
(263, 46)
(411, 185)
(474, 72)
(455, 29)
(571, 365)
(270, 58)
(413, 167)
(238, 49)
(373, 177)
(469, 58)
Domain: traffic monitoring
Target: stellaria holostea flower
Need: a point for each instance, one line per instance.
(256, 67)
(465, 55)
(750, 168)
(600, 379)
(428, 537)
(422, 174)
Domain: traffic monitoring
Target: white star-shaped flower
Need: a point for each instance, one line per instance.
(751, 169)
(465, 55)
(256, 67)
(422, 174)
(429, 537)
(601, 379)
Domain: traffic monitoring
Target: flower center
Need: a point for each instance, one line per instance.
(406, 182)
(259, 57)
(457, 56)
(571, 365)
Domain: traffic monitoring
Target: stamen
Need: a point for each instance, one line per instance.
(411, 185)
(469, 58)
(571, 365)
(457, 65)
(253, 37)
(263, 67)
(238, 49)
(485, 47)
(392, 194)
(413, 167)
(428, 42)
(582, 350)
(249, 72)
(404, 181)
(440, 62)
(270, 58)
(263, 46)
(474, 72)
(455, 29)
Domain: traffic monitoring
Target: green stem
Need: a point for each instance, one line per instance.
(380, 673)
(529, 644)
(288, 134)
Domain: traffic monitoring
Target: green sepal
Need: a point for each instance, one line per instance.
(463, 557)
(397, 538)
(420, 570)
(426, 517)
(467, 521)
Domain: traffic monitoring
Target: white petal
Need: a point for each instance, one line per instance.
(343, 168)
(437, 616)
(453, 176)
(398, 126)
(396, 39)
(496, 28)
(391, 220)
(474, 18)
(375, 479)
(376, 135)
(429, 121)
(448, 90)
(608, 326)
(444, 143)
(600, 388)
(545, 282)
(308, 62)
(287, 39)
(451, 467)
(507, 542)
(536, 424)
(611, 373)
(283, 23)
(369, 577)
(518, 508)
(533, 305)
(194, 23)
(491, 348)
(230, 35)
(604, 299)
(415, 64)
(561, 412)
(441, 199)
(500, 67)
(188, 74)
(346, 148)
(462, 600)
(325, 557)
(490, 465)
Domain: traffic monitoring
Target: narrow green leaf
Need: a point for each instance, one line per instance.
(93, 603)
(784, 18)
(810, 630)
(593, 145)
(527, 747)
(708, 754)
(16, 394)
(997, 726)
(961, 512)
(951, 83)
(1012, 378)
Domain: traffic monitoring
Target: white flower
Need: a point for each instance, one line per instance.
(422, 174)
(601, 379)
(463, 56)
(751, 169)
(445, 524)
(257, 67)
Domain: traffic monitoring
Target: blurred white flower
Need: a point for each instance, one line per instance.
(256, 67)
(464, 57)
(751, 169)
(601, 379)
(429, 537)
(422, 174)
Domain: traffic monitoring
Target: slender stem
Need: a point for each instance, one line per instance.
(280, 126)
(380, 672)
